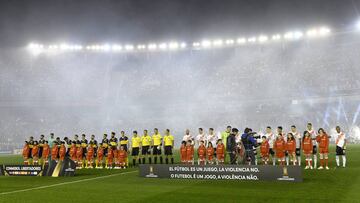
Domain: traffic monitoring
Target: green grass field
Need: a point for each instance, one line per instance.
(94, 185)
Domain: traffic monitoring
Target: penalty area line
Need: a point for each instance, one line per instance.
(66, 183)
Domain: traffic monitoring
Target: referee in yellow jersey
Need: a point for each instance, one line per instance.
(168, 146)
(145, 147)
(135, 146)
(156, 146)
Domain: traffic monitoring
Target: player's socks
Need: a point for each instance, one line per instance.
(149, 160)
(337, 160)
(326, 162)
(273, 160)
(299, 160)
(155, 160)
(172, 160)
(167, 160)
(315, 161)
(287, 160)
(134, 162)
(344, 160)
(139, 160)
(143, 160)
(322, 162)
(161, 160)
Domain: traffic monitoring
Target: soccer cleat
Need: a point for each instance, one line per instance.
(320, 168)
(311, 168)
(307, 167)
(327, 168)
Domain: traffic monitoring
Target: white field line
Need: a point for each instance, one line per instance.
(66, 183)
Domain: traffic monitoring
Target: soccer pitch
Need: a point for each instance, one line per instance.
(94, 185)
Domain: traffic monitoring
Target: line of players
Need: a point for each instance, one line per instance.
(212, 148)
(109, 153)
(281, 147)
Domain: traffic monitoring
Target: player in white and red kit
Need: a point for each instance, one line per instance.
(340, 142)
(270, 138)
(188, 137)
(313, 135)
(201, 137)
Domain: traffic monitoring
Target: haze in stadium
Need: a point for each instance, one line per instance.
(153, 85)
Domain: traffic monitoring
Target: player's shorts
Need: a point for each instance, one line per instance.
(323, 150)
(135, 151)
(271, 151)
(339, 151)
(214, 151)
(83, 152)
(298, 152)
(314, 149)
(105, 152)
(125, 147)
(280, 155)
(255, 152)
(156, 150)
(168, 150)
(308, 152)
(289, 153)
(145, 150)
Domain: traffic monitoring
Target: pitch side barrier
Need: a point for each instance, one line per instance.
(223, 172)
(53, 168)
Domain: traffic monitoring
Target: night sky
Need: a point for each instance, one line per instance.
(143, 21)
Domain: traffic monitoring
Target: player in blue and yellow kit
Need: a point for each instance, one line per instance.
(168, 146)
(156, 146)
(145, 147)
(84, 145)
(113, 142)
(124, 142)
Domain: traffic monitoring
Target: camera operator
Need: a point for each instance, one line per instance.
(249, 143)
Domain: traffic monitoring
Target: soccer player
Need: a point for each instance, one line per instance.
(35, 153)
(280, 147)
(264, 150)
(90, 155)
(190, 152)
(188, 137)
(104, 145)
(298, 138)
(124, 140)
(307, 147)
(41, 147)
(290, 149)
(45, 153)
(156, 146)
(202, 153)
(323, 143)
(220, 152)
(25, 153)
(84, 145)
(340, 147)
(313, 137)
(62, 151)
(135, 146)
(212, 137)
(31, 145)
(68, 145)
(200, 137)
(51, 140)
(122, 157)
(110, 158)
(183, 152)
(270, 138)
(113, 141)
(210, 153)
(94, 144)
(145, 147)
(168, 146)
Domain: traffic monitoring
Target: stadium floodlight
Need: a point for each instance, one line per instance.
(141, 46)
(206, 43)
(217, 43)
(129, 47)
(183, 45)
(53, 46)
(312, 33)
(163, 46)
(229, 41)
(116, 47)
(152, 46)
(196, 44)
(276, 37)
(252, 39)
(293, 35)
(323, 31)
(64, 46)
(173, 45)
(263, 38)
(241, 40)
